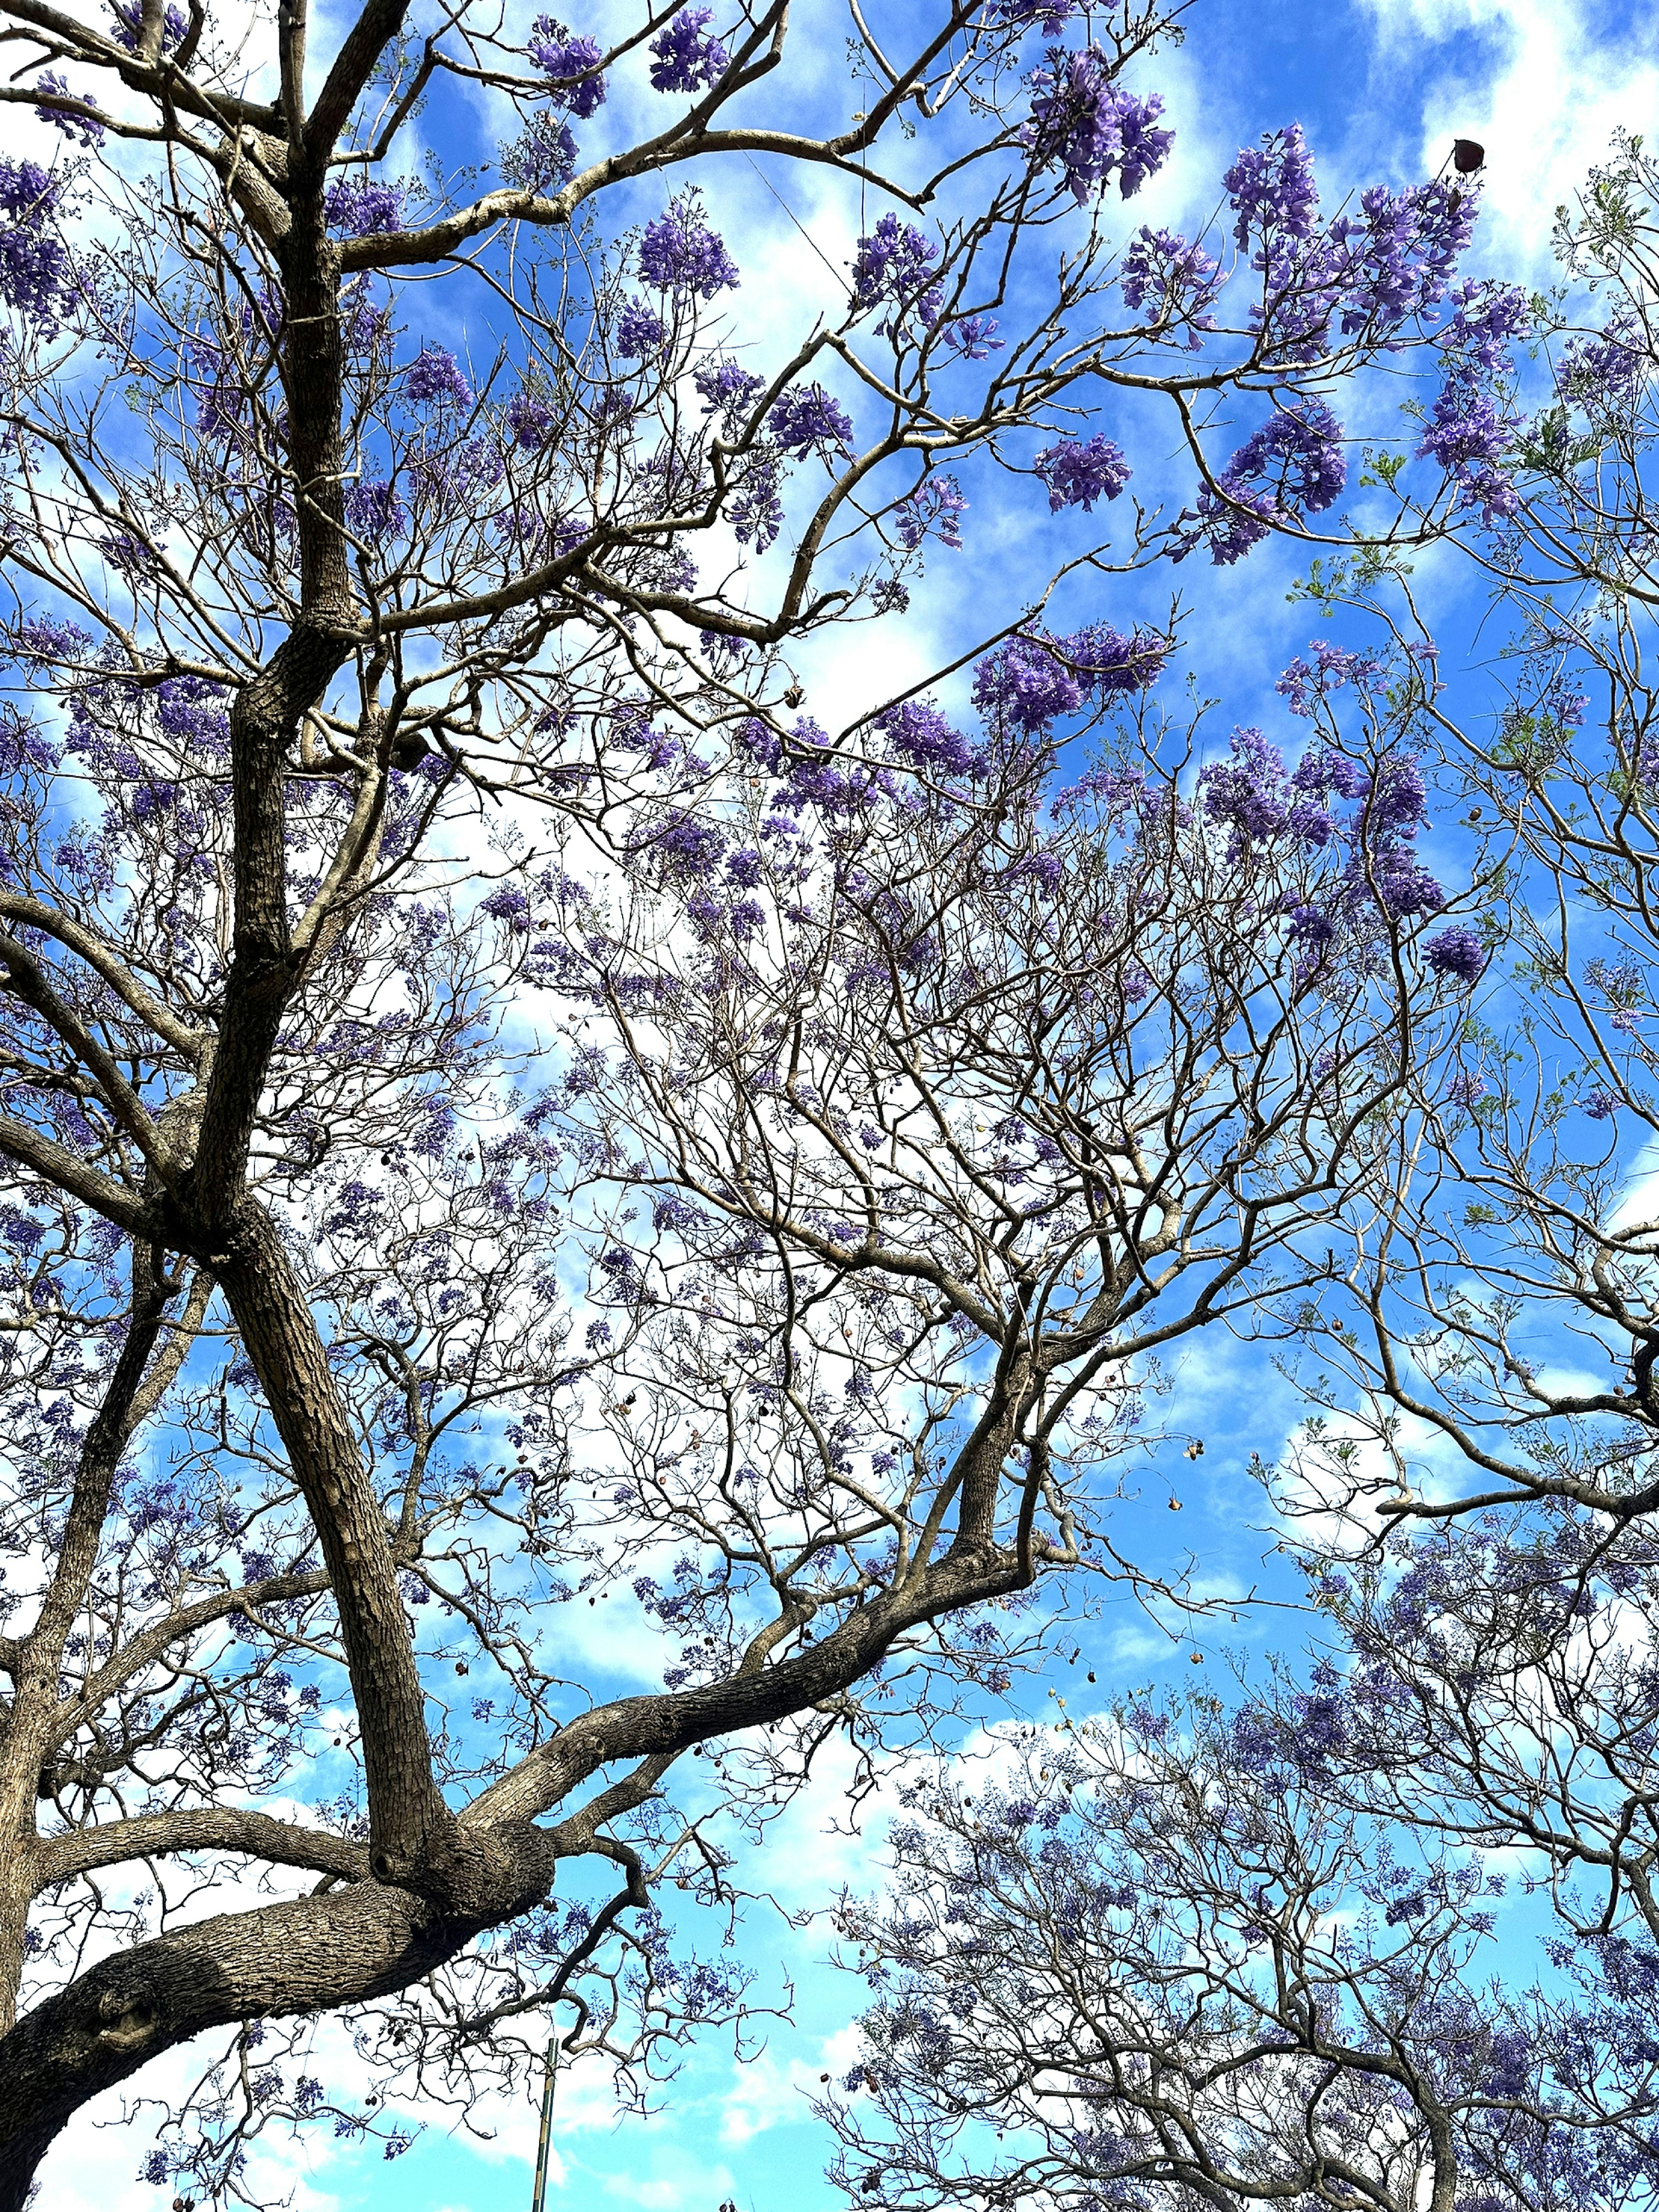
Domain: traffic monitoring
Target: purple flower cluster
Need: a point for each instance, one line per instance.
(1457, 954)
(756, 510)
(1033, 680)
(679, 253)
(129, 17)
(83, 130)
(728, 391)
(1174, 279)
(972, 339)
(1364, 274)
(1469, 429)
(639, 332)
(685, 58)
(433, 378)
(931, 511)
(1078, 471)
(1272, 190)
(1084, 124)
(1292, 466)
(806, 418)
(1301, 686)
(572, 63)
(543, 155)
(528, 421)
(1251, 794)
(919, 734)
(359, 207)
(373, 510)
(1608, 370)
(894, 265)
(35, 274)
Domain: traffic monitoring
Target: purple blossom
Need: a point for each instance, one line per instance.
(573, 64)
(35, 265)
(1469, 431)
(1456, 953)
(1606, 370)
(931, 510)
(1601, 1105)
(1301, 686)
(129, 18)
(728, 391)
(1085, 123)
(1292, 466)
(756, 510)
(1032, 680)
(42, 642)
(1365, 273)
(919, 734)
(1272, 190)
(545, 153)
(808, 418)
(373, 510)
(1173, 278)
(1077, 472)
(686, 57)
(639, 333)
(528, 420)
(84, 129)
(679, 253)
(360, 207)
(894, 264)
(434, 377)
(1465, 1090)
(971, 338)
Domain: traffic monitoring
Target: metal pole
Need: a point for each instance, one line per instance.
(550, 2074)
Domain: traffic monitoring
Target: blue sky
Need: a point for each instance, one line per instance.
(1380, 88)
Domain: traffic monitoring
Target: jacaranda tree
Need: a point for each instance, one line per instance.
(457, 1007)
(1388, 1932)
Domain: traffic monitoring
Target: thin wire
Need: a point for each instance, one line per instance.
(837, 274)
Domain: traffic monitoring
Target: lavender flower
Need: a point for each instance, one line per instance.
(528, 421)
(728, 391)
(931, 511)
(359, 207)
(679, 253)
(433, 378)
(1085, 124)
(919, 734)
(755, 513)
(894, 264)
(686, 58)
(1292, 466)
(373, 510)
(573, 65)
(35, 265)
(1469, 432)
(1079, 472)
(1272, 190)
(1601, 1105)
(1457, 954)
(129, 17)
(84, 129)
(808, 417)
(639, 333)
(1173, 279)
(971, 338)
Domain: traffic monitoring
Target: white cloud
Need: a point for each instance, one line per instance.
(1541, 83)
